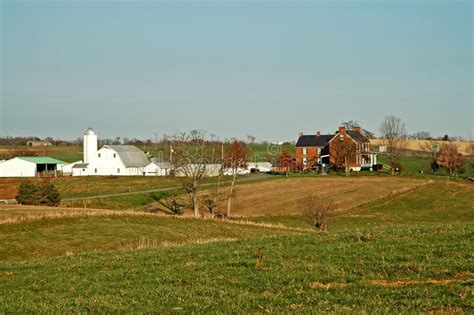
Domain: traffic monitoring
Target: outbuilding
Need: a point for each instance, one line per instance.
(29, 166)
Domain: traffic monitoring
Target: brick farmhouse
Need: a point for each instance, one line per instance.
(345, 147)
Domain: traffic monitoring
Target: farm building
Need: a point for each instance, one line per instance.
(158, 169)
(119, 160)
(33, 143)
(262, 167)
(29, 166)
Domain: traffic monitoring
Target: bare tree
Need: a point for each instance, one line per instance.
(317, 211)
(237, 157)
(450, 158)
(191, 154)
(173, 204)
(393, 132)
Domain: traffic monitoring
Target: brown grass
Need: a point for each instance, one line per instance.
(416, 145)
(282, 197)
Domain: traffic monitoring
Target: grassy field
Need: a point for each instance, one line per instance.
(104, 231)
(397, 244)
(437, 202)
(384, 270)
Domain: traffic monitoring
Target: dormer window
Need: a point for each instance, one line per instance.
(115, 155)
(341, 137)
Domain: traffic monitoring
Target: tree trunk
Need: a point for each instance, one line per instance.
(195, 205)
(229, 196)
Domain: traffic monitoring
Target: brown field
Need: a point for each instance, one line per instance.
(282, 197)
(417, 144)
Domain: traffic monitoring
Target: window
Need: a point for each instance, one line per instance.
(341, 137)
(305, 151)
(118, 170)
(115, 155)
(319, 150)
(98, 155)
(95, 170)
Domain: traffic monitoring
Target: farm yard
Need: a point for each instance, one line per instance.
(392, 236)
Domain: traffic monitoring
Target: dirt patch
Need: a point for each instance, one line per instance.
(8, 192)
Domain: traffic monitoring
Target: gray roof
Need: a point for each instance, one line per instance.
(130, 155)
(313, 140)
(80, 165)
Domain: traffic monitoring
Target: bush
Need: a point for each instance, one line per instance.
(44, 193)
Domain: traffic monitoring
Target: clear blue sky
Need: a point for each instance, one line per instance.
(270, 69)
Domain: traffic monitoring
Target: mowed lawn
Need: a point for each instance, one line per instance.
(390, 270)
(437, 202)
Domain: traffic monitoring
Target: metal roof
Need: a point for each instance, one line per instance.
(80, 165)
(313, 140)
(90, 132)
(41, 160)
(130, 155)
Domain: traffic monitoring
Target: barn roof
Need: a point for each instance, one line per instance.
(130, 155)
(313, 140)
(41, 160)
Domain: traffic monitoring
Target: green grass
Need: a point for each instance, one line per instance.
(413, 163)
(423, 269)
(53, 237)
(440, 202)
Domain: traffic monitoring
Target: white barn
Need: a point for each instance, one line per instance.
(118, 160)
(29, 166)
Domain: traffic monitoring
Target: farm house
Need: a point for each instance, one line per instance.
(30, 166)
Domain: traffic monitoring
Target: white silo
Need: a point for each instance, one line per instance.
(90, 145)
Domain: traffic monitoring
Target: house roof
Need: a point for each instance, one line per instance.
(313, 140)
(130, 155)
(41, 160)
(357, 136)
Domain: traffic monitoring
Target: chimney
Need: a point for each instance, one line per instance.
(318, 133)
(342, 129)
(301, 133)
(357, 130)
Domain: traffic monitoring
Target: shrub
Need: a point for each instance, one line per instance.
(44, 193)
(27, 193)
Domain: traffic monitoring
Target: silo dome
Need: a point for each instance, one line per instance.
(90, 132)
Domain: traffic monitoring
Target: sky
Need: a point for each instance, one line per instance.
(269, 69)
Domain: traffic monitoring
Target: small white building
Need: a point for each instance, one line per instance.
(118, 160)
(262, 167)
(158, 169)
(29, 166)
